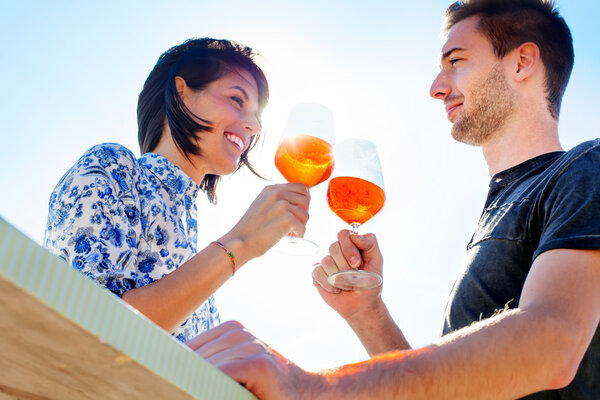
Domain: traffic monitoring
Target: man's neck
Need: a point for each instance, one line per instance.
(521, 141)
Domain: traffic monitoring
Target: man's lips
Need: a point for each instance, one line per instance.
(452, 109)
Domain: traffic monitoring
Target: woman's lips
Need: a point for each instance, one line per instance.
(236, 141)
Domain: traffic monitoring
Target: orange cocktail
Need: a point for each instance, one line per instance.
(304, 158)
(354, 200)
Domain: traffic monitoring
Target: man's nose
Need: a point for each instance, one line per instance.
(439, 88)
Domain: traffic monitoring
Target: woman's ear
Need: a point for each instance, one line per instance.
(181, 86)
(527, 60)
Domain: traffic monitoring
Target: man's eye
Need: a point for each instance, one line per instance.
(454, 60)
(238, 100)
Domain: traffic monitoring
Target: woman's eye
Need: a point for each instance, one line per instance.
(238, 100)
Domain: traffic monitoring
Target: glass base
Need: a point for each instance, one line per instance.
(296, 246)
(355, 280)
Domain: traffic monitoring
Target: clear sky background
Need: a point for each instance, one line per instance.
(71, 73)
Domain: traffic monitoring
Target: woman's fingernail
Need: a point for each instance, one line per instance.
(354, 261)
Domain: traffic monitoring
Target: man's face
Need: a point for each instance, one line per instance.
(473, 85)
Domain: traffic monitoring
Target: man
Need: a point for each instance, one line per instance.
(522, 318)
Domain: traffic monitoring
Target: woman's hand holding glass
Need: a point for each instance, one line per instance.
(305, 155)
(276, 211)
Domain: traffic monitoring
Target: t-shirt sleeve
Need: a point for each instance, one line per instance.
(94, 217)
(571, 209)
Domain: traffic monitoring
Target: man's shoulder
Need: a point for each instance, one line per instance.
(587, 149)
(583, 158)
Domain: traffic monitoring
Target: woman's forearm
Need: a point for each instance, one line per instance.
(173, 298)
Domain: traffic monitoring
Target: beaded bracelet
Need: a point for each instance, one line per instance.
(229, 253)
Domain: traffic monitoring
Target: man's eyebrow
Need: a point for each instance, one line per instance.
(241, 89)
(449, 52)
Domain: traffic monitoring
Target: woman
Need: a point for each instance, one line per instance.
(130, 223)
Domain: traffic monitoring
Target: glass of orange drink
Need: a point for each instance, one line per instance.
(305, 154)
(355, 194)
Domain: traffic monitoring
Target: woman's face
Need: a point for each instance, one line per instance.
(230, 104)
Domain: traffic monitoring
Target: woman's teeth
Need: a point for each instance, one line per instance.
(235, 140)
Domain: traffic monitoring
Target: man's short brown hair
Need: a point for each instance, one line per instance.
(509, 23)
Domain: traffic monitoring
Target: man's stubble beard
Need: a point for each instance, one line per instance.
(492, 102)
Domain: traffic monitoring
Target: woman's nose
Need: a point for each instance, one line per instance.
(251, 124)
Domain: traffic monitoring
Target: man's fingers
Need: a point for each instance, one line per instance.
(245, 371)
(337, 253)
(230, 339)
(349, 250)
(213, 334)
(320, 280)
(242, 350)
(366, 242)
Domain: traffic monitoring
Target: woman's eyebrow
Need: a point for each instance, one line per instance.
(241, 89)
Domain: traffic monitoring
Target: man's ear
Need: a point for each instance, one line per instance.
(181, 86)
(527, 57)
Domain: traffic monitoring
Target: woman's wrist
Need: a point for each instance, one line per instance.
(237, 248)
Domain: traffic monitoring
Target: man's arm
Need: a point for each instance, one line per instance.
(535, 347)
(364, 311)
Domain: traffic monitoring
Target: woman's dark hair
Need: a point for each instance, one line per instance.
(507, 24)
(199, 62)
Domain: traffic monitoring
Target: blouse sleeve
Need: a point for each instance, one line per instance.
(94, 217)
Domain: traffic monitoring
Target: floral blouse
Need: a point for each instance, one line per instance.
(127, 223)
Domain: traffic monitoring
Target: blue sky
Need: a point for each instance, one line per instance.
(72, 72)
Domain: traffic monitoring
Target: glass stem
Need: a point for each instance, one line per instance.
(355, 229)
(292, 237)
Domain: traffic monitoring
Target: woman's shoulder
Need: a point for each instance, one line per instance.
(107, 155)
(106, 161)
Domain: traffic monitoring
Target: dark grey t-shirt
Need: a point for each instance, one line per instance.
(551, 201)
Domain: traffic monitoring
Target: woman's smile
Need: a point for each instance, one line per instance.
(238, 141)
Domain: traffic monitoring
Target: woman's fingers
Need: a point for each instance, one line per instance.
(289, 204)
(277, 211)
(300, 188)
(294, 193)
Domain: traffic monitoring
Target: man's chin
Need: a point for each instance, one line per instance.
(461, 136)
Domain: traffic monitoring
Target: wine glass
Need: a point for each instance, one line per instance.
(305, 154)
(355, 194)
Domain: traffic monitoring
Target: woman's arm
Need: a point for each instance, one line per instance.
(95, 224)
(278, 209)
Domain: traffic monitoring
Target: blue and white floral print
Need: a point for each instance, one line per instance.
(127, 223)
